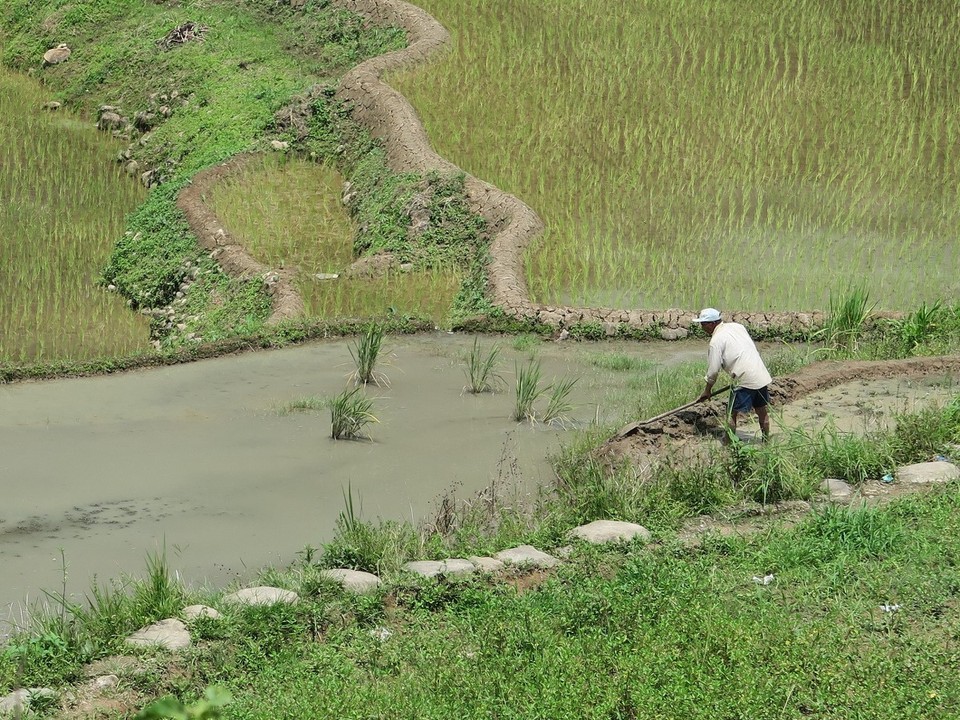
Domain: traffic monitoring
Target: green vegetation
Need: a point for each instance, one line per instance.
(203, 101)
(62, 203)
(350, 414)
(528, 390)
(796, 134)
(481, 370)
(365, 352)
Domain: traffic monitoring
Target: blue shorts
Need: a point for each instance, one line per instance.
(746, 399)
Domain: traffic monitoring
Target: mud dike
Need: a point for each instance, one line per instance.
(651, 439)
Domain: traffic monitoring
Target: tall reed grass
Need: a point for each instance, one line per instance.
(669, 146)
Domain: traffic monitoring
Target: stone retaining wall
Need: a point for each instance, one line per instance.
(389, 117)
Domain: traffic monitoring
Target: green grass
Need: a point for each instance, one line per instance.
(673, 631)
(482, 368)
(62, 203)
(253, 59)
(350, 413)
(795, 133)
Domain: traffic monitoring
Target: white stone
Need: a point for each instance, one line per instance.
(453, 567)
(169, 634)
(610, 531)
(355, 581)
(261, 595)
(486, 564)
(104, 682)
(836, 490)
(192, 612)
(928, 472)
(279, 144)
(326, 276)
(527, 556)
(18, 701)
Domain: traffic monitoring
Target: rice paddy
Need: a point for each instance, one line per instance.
(712, 153)
(288, 214)
(62, 206)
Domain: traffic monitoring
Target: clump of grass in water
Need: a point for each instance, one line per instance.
(528, 390)
(559, 404)
(349, 414)
(365, 352)
(481, 369)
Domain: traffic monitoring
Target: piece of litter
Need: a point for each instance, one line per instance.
(889, 608)
(381, 633)
(940, 458)
(765, 580)
(888, 478)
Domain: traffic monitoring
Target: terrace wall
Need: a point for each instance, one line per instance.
(513, 225)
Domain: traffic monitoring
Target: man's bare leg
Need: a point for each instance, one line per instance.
(733, 423)
(764, 417)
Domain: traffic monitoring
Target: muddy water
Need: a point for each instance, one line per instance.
(197, 459)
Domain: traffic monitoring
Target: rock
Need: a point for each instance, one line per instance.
(192, 612)
(609, 531)
(111, 121)
(262, 595)
(836, 490)
(132, 167)
(355, 581)
(169, 634)
(52, 106)
(455, 567)
(326, 276)
(104, 682)
(279, 144)
(928, 472)
(527, 556)
(144, 121)
(674, 333)
(56, 55)
(487, 564)
(18, 701)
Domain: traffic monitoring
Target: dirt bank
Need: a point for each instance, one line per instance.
(650, 439)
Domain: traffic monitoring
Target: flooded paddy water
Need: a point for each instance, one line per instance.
(198, 460)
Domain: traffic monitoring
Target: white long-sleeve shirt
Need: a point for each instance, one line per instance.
(732, 349)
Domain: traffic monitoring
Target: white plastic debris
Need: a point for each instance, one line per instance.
(765, 580)
(381, 633)
(889, 608)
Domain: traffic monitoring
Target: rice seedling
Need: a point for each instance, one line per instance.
(350, 413)
(816, 138)
(365, 352)
(559, 405)
(62, 204)
(289, 215)
(481, 370)
(528, 390)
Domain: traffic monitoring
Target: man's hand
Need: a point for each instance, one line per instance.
(703, 396)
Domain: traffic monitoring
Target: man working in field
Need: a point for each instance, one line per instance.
(732, 349)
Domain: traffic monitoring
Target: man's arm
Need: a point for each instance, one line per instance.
(714, 356)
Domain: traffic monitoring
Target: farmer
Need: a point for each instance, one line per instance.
(732, 349)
